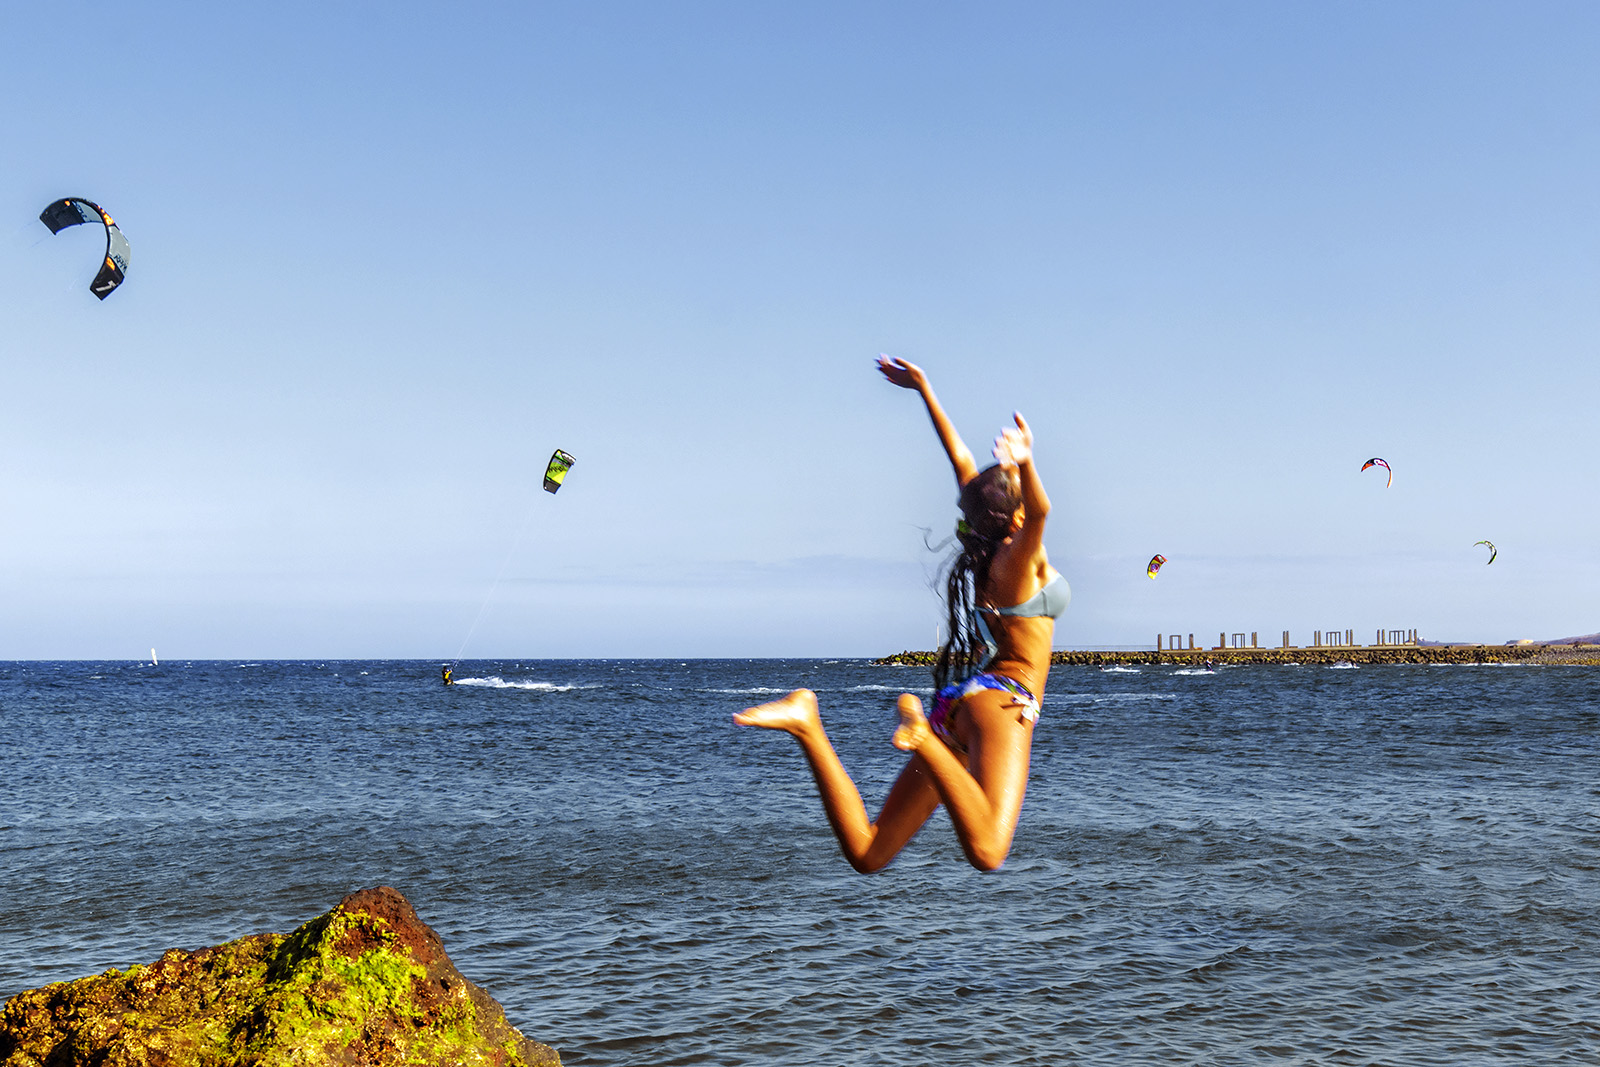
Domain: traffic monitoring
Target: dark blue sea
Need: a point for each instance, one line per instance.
(1264, 865)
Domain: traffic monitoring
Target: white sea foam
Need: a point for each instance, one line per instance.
(494, 681)
(1057, 700)
(758, 690)
(1343, 665)
(1120, 670)
(1195, 670)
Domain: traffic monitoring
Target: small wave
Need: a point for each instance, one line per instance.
(1343, 665)
(879, 689)
(1104, 698)
(1218, 964)
(494, 681)
(1120, 670)
(756, 690)
(1195, 670)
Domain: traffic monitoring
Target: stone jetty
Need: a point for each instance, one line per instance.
(1588, 655)
(366, 985)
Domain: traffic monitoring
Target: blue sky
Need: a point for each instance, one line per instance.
(387, 257)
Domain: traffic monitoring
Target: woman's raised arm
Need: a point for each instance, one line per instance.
(1014, 449)
(910, 376)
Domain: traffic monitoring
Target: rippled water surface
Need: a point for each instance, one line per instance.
(1390, 865)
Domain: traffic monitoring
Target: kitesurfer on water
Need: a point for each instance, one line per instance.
(1002, 597)
(446, 672)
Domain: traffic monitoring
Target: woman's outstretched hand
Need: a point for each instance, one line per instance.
(1014, 446)
(899, 372)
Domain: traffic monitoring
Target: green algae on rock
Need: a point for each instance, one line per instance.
(366, 985)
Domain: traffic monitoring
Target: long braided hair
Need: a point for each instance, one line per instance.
(987, 504)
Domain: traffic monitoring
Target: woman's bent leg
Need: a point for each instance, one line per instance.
(984, 801)
(868, 844)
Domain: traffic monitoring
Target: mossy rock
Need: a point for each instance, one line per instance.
(366, 985)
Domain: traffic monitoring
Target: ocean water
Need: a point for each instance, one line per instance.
(1390, 865)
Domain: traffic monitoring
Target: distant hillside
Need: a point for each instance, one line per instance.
(1582, 639)
(1586, 639)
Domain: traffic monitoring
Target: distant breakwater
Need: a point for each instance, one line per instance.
(1533, 654)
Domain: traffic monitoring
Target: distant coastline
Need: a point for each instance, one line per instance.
(1571, 654)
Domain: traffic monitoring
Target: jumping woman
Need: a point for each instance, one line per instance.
(1002, 599)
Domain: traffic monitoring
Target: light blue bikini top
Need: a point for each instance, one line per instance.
(1049, 602)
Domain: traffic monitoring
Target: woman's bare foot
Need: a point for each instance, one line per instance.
(794, 713)
(914, 730)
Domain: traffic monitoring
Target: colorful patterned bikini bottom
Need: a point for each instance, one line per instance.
(944, 703)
